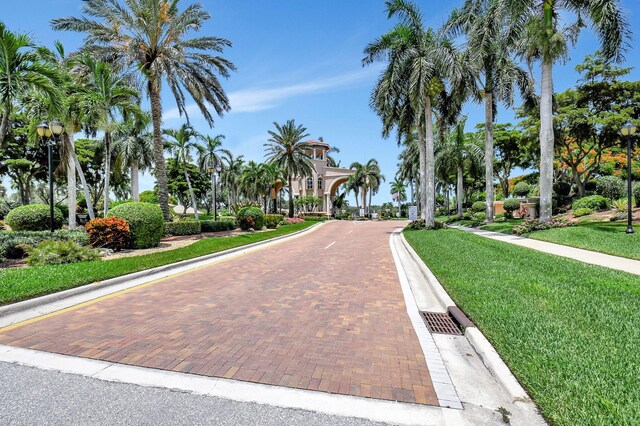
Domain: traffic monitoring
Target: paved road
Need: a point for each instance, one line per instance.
(31, 396)
(324, 311)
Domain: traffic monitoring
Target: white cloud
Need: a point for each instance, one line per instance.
(261, 98)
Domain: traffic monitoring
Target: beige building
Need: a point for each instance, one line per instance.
(324, 181)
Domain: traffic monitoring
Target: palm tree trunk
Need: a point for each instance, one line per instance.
(546, 142)
(83, 181)
(158, 146)
(71, 180)
(193, 196)
(369, 206)
(429, 187)
(290, 196)
(135, 185)
(423, 172)
(107, 170)
(4, 124)
(460, 191)
(488, 154)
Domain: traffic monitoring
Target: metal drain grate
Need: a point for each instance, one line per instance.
(441, 322)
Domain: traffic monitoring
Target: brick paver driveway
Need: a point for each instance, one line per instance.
(323, 311)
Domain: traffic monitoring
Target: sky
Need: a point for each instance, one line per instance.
(301, 59)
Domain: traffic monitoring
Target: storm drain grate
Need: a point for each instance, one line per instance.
(441, 323)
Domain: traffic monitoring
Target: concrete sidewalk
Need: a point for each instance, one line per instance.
(587, 256)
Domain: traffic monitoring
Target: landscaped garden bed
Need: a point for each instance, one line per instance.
(567, 330)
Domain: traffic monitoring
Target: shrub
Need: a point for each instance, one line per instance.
(521, 189)
(618, 216)
(479, 206)
(562, 188)
(217, 225)
(593, 202)
(510, 205)
(582, 211)
(250, 217)
(480, 216)
(291, 220)
(59, 252)
(11, 242)
(227, 218)
(620, 204)
(182, 227)
(149, 197)
(145, 220)
(421, 224)
(636, 193)
(271, 221)
(467, 216)
(110, 232)
(611, 187)
(531, 225)
(34, 217)
(1, 225)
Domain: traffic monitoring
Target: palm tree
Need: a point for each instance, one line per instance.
(454, 152)
(209, 156)
(419, 62)
(273, 177)
(372, 178)
(399, 191)
(21, 68)
(332, 162)
(356, 183)
(151, 36)
(287, 151)
(230, 176)
(252, 180)
(183, 141)
(103, 97)
(543, 39)
(490, 45)
(134, 150)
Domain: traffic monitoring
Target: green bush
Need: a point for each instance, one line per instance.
(611, 187)
(271, 221)
(562, 188)
(149, 197)
(59, 252)
(34, 217)
(217, 225)
(593, 202)
(480, 216)
(636, 193)
(521, 189)
(582, 211)
(250, 218)
(145, 220)
(479, 206)
(467, 216)
(11, 241)
(510, 205)
(182, 227)
(227, 218)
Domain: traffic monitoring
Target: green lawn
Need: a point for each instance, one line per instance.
(24, 283)
(503, 227)
(604, 237)
(568, 330)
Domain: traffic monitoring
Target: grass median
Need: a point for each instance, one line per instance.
(25, 283)
(568, 330)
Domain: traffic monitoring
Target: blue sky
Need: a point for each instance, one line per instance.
(302, 60)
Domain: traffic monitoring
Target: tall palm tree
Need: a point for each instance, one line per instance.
(274, 176)
(287, 151)
(372, 179)
(419, 63)
(252, 180)
(356, 183)
(543, 39)
(491, 41)
(133, 146)
(21, 68)
(400, 192)
(183, 141)
(230, 177)
(209, 156)
(152, 36)
(454, 152)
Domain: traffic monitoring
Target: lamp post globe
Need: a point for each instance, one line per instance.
(628, 130)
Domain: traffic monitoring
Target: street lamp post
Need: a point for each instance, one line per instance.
(45, 135)
(214, 187)
(628, 130)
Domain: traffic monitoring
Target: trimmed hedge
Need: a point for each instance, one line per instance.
(593, 202)
(521, 189)
(250, 217)
(479, 206)
(217, 225)
(227, 218)
(11, 240)
(34, 217)
(582, 211)
(145, 220)
(183, 227)
(636, 193)
(271, 221)
(611, 187)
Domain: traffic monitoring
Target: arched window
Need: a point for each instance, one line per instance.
(320, 181)
(309, 183)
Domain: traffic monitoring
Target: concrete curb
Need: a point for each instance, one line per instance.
(490, 357)
(54, 297)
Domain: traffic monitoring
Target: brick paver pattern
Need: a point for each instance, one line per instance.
(296, 314)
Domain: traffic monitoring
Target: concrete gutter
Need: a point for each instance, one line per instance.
(490, 357)
(167, 269)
